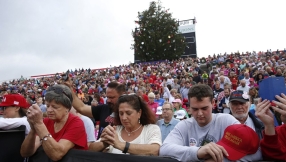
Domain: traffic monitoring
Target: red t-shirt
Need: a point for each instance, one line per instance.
(73, 131)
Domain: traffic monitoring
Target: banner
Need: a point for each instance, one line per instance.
(186, 29)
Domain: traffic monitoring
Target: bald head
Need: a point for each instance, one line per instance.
(242, 83)
(246, 75)
(221, 79)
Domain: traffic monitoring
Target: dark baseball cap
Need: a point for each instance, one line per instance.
(239, 95)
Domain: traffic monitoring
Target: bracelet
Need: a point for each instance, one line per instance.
(126, 148)
(45, 137)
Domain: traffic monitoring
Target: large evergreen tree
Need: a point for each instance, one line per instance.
(157, 36)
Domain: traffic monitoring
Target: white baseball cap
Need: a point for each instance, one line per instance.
(159, 110)
(180, 114)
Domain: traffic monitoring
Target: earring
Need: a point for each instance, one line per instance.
(139, 120)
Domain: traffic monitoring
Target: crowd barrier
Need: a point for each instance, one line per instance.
(10, 142)
(89, 156)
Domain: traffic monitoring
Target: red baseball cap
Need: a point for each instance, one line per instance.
(239, 140)
(14, 100)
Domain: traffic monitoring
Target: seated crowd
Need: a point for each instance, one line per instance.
(175, 109)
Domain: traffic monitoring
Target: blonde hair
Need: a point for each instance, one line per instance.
(173, 90)
(151, 95)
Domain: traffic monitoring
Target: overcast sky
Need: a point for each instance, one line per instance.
(49, 36)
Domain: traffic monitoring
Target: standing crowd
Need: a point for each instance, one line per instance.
(187, 109)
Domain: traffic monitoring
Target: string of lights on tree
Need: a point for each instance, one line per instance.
(157, 37)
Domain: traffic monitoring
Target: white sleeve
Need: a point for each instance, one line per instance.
(152, 134)
(89, 128)
(167, 91)
(175, 145)
(9, 123)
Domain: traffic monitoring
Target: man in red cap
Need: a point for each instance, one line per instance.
(14, 112)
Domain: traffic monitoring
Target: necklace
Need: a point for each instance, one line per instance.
(132, 131)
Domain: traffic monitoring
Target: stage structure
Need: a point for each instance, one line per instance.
(188, 30)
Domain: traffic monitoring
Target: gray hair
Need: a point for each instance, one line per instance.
(60, 94)
(168, 103)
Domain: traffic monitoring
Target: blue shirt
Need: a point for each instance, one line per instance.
(167, 128)
(160, 101)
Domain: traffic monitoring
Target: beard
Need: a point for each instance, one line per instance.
(111, 105)
(239, 116)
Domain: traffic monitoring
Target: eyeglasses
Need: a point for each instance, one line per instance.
(58, 90)
(166, 109)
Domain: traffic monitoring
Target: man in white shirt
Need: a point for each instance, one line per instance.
(246, 78)
(243, 86)
(195, 138)
(223, 106)
(239, 106)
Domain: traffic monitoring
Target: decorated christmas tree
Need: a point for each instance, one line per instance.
(157, 37)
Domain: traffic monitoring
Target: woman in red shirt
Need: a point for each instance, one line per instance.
(58, 133)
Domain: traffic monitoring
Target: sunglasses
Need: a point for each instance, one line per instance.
(58, 90)
(128, 95)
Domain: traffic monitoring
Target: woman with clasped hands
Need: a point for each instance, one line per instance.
(136, 132)
(273, 144)
(60, 131)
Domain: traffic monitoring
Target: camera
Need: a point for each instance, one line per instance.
(65, 77)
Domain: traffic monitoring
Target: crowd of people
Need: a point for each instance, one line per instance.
(188, 109)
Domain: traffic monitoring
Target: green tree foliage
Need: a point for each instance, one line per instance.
(157, 36)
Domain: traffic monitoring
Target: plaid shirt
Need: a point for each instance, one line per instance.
(220, 96)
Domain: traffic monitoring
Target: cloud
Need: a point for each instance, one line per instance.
(43, 37)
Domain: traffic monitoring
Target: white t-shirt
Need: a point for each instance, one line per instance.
(9, 123)
(244, 89)
(150, 134)
(89, 128)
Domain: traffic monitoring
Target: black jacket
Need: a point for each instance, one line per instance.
(259, 126)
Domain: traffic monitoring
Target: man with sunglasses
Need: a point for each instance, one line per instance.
(102, 113)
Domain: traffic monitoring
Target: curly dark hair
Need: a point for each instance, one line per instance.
(137, 103)
(257, 77)
(201, 91)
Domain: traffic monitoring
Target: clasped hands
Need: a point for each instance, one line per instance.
(109, 136)
(34, 115)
